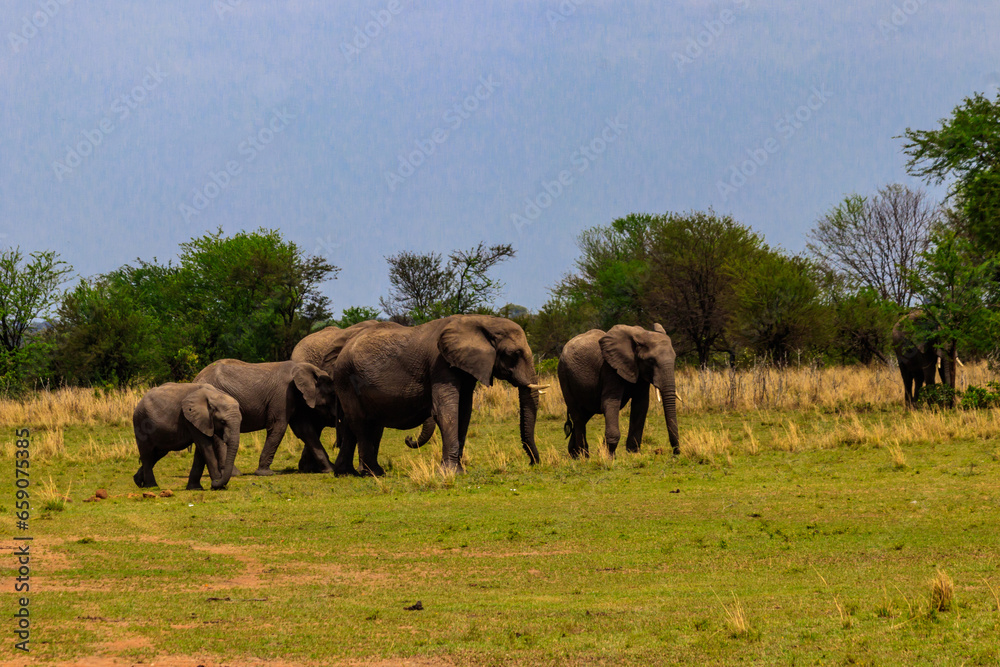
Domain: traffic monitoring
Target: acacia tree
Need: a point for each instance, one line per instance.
(875, 242)
(423, 287)
(966, 148)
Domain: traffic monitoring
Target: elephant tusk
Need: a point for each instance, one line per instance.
(659, 398)
(541, 391)
(538, 387)
(959, 362)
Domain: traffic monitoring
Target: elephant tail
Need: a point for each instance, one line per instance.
(568, 426)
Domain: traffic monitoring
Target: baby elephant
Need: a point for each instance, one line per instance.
(172, 416)
(276, 395)
(600, 372)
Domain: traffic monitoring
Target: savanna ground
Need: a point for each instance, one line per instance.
(808, 520)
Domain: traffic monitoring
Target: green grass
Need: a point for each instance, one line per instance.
(826, 554)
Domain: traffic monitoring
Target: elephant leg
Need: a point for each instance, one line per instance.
(368, 444)
(197, 469)
(611, 432)
(344, 465)
(314, 457)
(637, 419)
(447, 401)
(907, 386)
(578, 437)
(275, 434)
(464, 417)
(144, 477)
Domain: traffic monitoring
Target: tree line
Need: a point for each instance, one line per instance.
(721, 292)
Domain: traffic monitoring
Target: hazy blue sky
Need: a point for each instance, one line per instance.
(115, 115)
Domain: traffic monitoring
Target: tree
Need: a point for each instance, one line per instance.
(693, 276)
(957, 297)
(253, 295)
(250, 296)
(473, 288)
(966, 148)
(862, 324)
(28, 290)
(875, 242)
(612, 270)
(778, 306)
(423, 288)
(355, 314)
(105, 335)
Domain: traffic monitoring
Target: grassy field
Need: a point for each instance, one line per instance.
(808, 520)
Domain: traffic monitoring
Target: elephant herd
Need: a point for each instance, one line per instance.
(376, 375)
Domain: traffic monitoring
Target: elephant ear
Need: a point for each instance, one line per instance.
(196, 410)
(464, 345)
(658, 328)
(307, 379)
(618, 348)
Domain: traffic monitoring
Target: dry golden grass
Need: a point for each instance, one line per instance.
(942, 592)
(70, 406)
(736, 619)
(424, 471)
(896, 455)
(706, 445)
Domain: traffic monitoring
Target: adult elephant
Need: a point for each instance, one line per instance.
(919, 360)
(599, 373)
(274, 396)
(397, 377)
(322, 349)
(173, 416)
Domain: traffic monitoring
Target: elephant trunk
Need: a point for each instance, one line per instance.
(668, 394)
(232, 446)
(528, 399)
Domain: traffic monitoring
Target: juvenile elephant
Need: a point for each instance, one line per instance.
(172, 416)
(920, 362)
(322, 349)
(274, 396)
(397, 377)
(599, 373)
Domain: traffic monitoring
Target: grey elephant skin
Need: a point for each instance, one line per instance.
(599, 373)
(274, 396)
(397, 377)
(173, 416)
(324, 346)
(919, 362)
